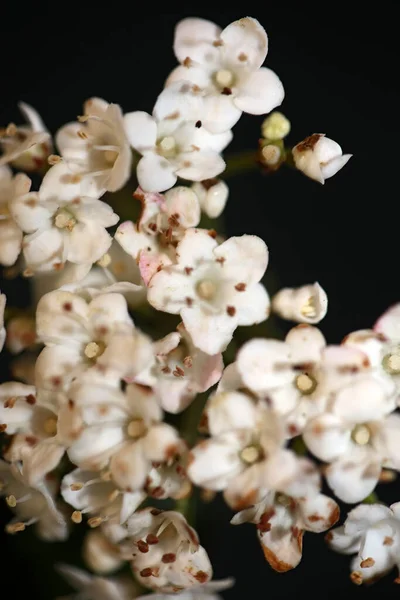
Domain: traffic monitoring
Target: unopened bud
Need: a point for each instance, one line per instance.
(307, 304)
(275, 127)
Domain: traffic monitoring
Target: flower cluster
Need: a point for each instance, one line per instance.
(130, 328)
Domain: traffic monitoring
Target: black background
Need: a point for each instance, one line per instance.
(339, 66)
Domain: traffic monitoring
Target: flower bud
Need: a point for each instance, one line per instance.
(319, 157)
(99, 554)
(275, 127)
(306, 304)
(212, 195)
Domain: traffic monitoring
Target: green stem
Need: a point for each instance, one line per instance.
(240, 162)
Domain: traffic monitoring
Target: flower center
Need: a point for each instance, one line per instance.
(309, 309)
(167, 146)
(251, 454)
(110, 156)
(305, 383)
(136, 428)
(206, 289)
(391, 363)
(50, 426)
(94, 349)
(64, 220)
(4, 210)
(361, 435)
(224, 78)
(283, 500)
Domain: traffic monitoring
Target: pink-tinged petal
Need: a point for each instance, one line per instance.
(226, 411)
(168, 290)
(231, 379)
(339, 541)
(283, 543)
(389, 323)
(95, 445)
(56, 366)
(155, 173)
(244, 489)
(10, 242)
(327, 437)
(86, 243)
(161, 443)
(151, 263)
(129, 466)
(211, 333)
(257, 361)
(196, 246)
(44, 249)
(131, 240)
(306, 343)
(141, 130)
(319, 513)
(61, 317)
(219, 113)
(213, 463)
(199, 165)
(245, 42)
(246, 256)
(368, 341)
(252, 305)
(387, 441)
(29, 213)
(260, 92)
(40, 460)
(207, 370)
(183, 201)
(194, 38)
(362, 401)
(354, 476)
(174, 393)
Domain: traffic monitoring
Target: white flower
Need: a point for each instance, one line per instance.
(94, 493)
(163, 221)
(213, 195)
(21, 333)
(213, 287)
(10, 232)
(169, 480)
(100, 554)
(372, 531)
(97, 146)
(358, 436)
(62, 223)
(319, 157)
(174, 142)
(26, 147)
(80, 334)
(307, 304)
(31, 504)
(167, 555)
(227, 65)
(93, 587)
(281, 521)
(245, 455)
(203, 591)
(181, 370)
(3, 300)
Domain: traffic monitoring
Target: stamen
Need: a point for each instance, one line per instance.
(206, 289)
(94, 349)
(361, 434)
(250, 455)
(391, 363)
(76, 516)
(167, 144)
(15, 527)
(65, 220)
(136, 428)
(11, 501)
(309, 309)
(224, 78)
(305, 383)
(50, 426)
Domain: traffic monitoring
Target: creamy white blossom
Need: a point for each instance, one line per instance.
(97, 145)
(227, 66)
(372, 531)
(26, 147)
(173, 142)
(10, 232)
(213, 195)
(319, 157)
(213, 287)
(21, 333)
(100, 554)
(306, 304)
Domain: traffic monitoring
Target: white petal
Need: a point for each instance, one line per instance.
(141, 130)
(56, 366)
(161, 443)
(32, 116)
(62, 316)
(10, 242)
(339, 541)
(40, 460)
(95, 445)
(333, 166)
(155, 173)
(374, 547)
(244, 489)
(203, 164)
(130, 466)
(194, 38)
(252, 305)
(327, 437)
(211, 333)
(319, 513)
(196, 246)
(29, 213)
(362, 401)
(389, 323)
(168, 290)
(230, 410)
(306, 343)
(131, 240)
(182, 201)
(363, 517)
(44, 249)
(256, 363)
(282, 544)
(260, 93)
(220, 113)
(245, 255)
(61, 185)
(387, 441)
(354, 476)
(245, 37)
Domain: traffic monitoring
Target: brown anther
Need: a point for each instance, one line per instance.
(82, 134)
(166, 370)
(187, 62)
(30, 399)
(95, 522)
(75, 487)
(153, 227)
(189, 301)
(71, 404)
(15, 527)
(54, 159)
(188, 362)
(242, 57)
(156, 511)
(28, 272)
(152, 539)
(178, 372)
(367, 562)
(31, 440)
(188, 270)
(201, 576)
(240, 287)
(76, 516)
(170, 557)
(187, 164)
(388, 541)
(58, 266)
(142, 546)
(226, 91)
(9, 403)
(212, 233)
(231, 311)
(157, 492)
(67, 306)
(82, 118)
(218, 43)
(173, 220)
(11, 501)
(221, 260)
(3, 427)
(11, 129)
(148, 572)
(387, 476)
(356, 577)
(198, 124)
(173, 116)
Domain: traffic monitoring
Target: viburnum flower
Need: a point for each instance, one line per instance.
(163, 221)
(213, 287)
(94, 493)
(307, 304)
(99, 554)
(10, 233)
(93, 587)
(34, 429)
(372, 531)
(21, 333)
(62, 223)
(97, 145)
(181, 370)
(227, 66)
(213, 195)
(319, 157)
(3, 300)
(79, 334)
(174, 142)
(167, 555)
(169, 479)
(281, 521)
(357, 436)
(26, 147)
(245, 455)
(31, 504)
